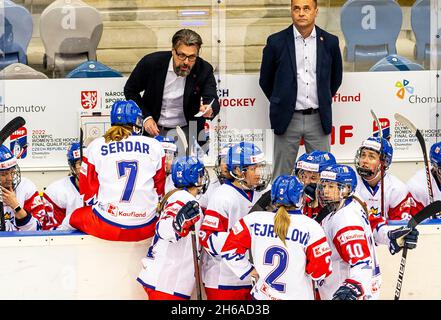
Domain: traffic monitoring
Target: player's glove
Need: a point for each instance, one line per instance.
(186, 217)
(309, 192)
(401, 237)
(350, 290)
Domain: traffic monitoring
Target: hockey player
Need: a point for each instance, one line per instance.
(22, 203)
(308, 168)
(168, 268)
(288, 248)
(123, 173)
(354, 275)
(222, 174)
(232, 201)
(62, 196)
(398, 202)
(417, 184)
(171, 151)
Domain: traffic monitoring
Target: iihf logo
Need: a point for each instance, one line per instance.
(18, 143)
(403, 87)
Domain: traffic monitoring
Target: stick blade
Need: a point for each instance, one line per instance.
(380, 129)
(406, 122)
(182, 137)
(428, 211)
(11, 127)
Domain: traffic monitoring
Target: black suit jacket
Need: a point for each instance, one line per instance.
(278, 77)
(149, 76)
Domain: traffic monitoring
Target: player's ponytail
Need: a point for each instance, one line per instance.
(282, 220)
(363, 205)
(117, 133)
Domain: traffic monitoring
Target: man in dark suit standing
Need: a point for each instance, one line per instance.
(300, 73)
(177, 85)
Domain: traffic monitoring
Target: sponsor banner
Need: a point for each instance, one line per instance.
(412, 94)
(53, 108)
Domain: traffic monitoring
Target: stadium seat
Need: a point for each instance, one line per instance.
(17, 34)
(93, 69)
(420, 21)
(20, 71)
(395, 62)
(70, 31)
(370, 29)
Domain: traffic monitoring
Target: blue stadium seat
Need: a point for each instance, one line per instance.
(420, 21)
(394, 62)
(370, 28)
(93, 69)
(16, 35)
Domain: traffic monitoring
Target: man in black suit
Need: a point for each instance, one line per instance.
(177, 85)
(300, 73)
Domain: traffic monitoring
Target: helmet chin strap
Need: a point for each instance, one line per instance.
(378, 172)
(244, 184)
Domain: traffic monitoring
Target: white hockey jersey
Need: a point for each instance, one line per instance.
(353, 252)
(62, 197)
(226, 206)
(168, 266)
(285, 271)
(212, 187)
(417, 186)
(169, 185)
(398, 202)
(29, 199)
(124, 179)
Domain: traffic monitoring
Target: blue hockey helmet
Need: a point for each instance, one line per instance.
(287, 191)
(126, 113)
(244, 154)
(435, 154)
(186, 172)
(73, 153)
(7, 159)
(341, 174)
(435, 159)
(382, 146)
(315, 161)
(9, 162)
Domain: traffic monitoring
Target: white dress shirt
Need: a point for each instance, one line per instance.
(172, 109)
(306, 60)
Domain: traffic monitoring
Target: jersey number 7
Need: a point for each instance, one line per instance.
(129, 170)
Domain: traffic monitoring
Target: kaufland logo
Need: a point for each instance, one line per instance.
(346, 98)
(402, 88)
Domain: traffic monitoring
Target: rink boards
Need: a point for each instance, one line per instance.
(72, 265)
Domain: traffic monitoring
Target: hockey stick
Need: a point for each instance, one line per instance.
(81, 143)
(380, 134)
(7, 130)
(417, 133)
(428, 211)
(197, 273)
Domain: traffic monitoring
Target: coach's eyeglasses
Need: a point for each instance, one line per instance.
(182, 56)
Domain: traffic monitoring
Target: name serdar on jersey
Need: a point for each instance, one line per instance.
(124, 146)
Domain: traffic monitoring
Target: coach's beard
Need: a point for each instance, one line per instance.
(182, 72)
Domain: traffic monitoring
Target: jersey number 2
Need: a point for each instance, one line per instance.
(270, 254)
(129, 170)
